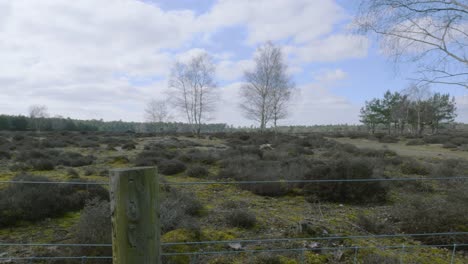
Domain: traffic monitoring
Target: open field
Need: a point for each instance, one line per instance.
(213, 212)
(424, 151)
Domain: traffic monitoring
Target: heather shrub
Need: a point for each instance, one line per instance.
(241, 217)
(415, 142)
(93, 227)
(388, 139)
(32, 202)
(410, 167)
(341, 191)
(171, 167)
(178, 209)
(197, 171)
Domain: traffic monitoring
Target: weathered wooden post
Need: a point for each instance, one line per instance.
(135, 216)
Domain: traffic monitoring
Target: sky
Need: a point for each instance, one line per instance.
(106, 59)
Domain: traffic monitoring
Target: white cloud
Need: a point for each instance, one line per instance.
(462, 108)
(333, 48)
(83, 58)
(233, 70)
(331, 75)
(313, 104)
(302, 20)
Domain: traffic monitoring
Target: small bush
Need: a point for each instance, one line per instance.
(171, 167)
(4, 155)
(74, 159)
(374, 258)
(93, 227)
(410, 167)
(129, 146)
(197, 171)
(241, 218)
(267, 259)
(415, 142)
(422, 214)
(345, 192)
(88, 171)
(437, 139)
(178, 209)
(373, 224)
(459, 141)
(42, 165)
(449, 145)
(32, 202)
(388, 139)
(72, 173)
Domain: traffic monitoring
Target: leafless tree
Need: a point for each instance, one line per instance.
(268, 88)
(432, 33)
(193, 89)
(157, 111)
(417, 95)
(37, 113)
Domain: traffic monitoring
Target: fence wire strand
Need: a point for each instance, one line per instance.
(255, 182)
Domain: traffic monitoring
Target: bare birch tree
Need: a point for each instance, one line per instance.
(157, 111)
(193, 89)
(431, 33)
(417, 96)
(37, 113)
(268, 88)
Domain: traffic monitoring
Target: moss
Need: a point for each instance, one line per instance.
(314, 258)
(179, 235)
(286, 260)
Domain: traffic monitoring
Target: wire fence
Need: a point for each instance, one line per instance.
(256, 182)
(248, 241)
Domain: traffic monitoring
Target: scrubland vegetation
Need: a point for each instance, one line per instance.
(64, 213)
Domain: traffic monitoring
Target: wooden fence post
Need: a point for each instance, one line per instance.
(136, 228)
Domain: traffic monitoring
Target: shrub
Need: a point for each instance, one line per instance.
(267, 259)
(4, 155)
(74, 159)
(93, 227)
(197, 171)
(459, 141)
(388, 139)
(446, 168)
(88, 171)
(374, 258)
(415, 142)
(42, 164)
(345, 192)
(204, 157)
(437, 139)
(373, 224)
(434, 214)
(449, 145)
(414, 167)
(129, 146)
(73, 173)
(241, 218)
(177, 210)
(32, 202)
(171, 167)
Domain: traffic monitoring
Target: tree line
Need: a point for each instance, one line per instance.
(28, 123)
(410, 111)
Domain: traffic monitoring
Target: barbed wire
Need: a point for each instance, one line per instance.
(254, 182)
(55, 258)
(267, 240)
(250, 251)
(305, 249)
(312, 238)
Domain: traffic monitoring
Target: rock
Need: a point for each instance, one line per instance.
(313, 245)
(266, 147)
(235, 246)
